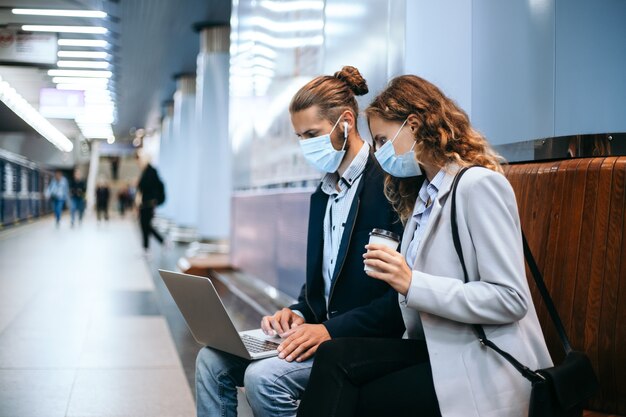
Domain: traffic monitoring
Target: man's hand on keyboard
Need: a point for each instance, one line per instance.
(301, 342)
(280, 322)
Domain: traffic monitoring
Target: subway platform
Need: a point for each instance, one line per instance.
(87, 328)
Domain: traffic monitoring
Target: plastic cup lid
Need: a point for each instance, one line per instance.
(385, 233)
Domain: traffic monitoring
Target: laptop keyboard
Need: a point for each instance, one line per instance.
(256, 345)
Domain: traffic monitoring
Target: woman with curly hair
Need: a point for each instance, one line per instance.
(439, 368)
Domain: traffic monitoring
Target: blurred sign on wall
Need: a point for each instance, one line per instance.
(61, 104)
(17, 47)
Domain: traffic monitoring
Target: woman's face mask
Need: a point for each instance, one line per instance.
(400, 166)
(320, 153)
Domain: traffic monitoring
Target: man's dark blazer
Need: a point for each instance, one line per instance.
(358, 304)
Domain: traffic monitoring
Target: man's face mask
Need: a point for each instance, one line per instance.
(320, 153)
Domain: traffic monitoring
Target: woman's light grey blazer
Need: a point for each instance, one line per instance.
(472, 380)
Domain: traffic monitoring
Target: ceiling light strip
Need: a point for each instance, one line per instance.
(83, 54)
(79, 80)
(292, 6)
(82, 87)
(58, 12)
(79, 73)
(98, 30)
(279, 41)
(91, 43)
(83, 64)
(284, 27)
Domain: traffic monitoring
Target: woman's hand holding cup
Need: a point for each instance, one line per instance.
(386, 264)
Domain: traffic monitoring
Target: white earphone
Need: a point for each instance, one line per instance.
(345, 130)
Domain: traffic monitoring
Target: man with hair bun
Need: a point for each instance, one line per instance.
(338, 299)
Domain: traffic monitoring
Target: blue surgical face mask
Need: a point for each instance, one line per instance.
(399, 166)
(320, 153)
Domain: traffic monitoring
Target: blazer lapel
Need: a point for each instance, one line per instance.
(315, 240)
(347, 232)
(438, 204)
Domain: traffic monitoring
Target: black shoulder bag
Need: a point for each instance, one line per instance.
(560, 391)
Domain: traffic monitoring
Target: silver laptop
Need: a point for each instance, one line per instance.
(210, 325)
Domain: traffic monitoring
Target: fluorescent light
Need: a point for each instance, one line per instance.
(94, 43)
(79, 73)
(24, 110)
(100, 125)
(345, 10)
(98, 110)
(261, 79)
(264, 51)
(83, 64)
(280, 41)
(79, 80)
(95, 124)
(257, 61)
(98, 93)
(100, 102)
(57, 12)
(252, 72)
(263, 62)
(251, 48)
(282, 27)
(94, 121)
(83, 87)
(82, 54)
(96, 132)
(65, 29)
(102, 130)
(292, 6)
(96, 135)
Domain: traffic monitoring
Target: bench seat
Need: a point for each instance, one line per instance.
(574, 216)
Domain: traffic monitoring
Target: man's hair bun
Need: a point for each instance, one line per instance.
(353, 78)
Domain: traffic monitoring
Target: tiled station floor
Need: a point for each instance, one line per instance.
(82, 331)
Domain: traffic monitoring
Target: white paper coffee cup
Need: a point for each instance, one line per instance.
(383, 237)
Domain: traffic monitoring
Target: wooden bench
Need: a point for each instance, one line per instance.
(573, 214)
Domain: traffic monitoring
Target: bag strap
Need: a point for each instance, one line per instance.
(545, 294)
(541, 286)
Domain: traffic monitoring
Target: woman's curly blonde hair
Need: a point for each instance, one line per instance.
(444, 134)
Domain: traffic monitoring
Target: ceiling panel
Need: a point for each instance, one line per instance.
(157, 41)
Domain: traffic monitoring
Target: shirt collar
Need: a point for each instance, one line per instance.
(429, 191)
(351, 174)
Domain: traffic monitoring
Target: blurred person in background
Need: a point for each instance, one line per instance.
(115, 165)
(58, 192)
(150, 193)
(123, 200)
(78, 189)
(102, 200)
(132, 193)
